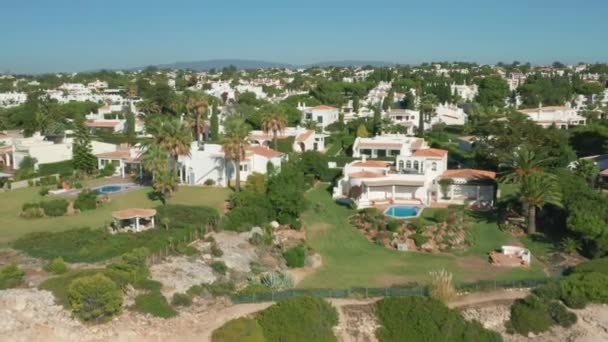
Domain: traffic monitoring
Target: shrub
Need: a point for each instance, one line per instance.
(56, 266)
(185, 249)
(254, 289)
(277, 281)
(95, 298)
(239, 330)
(209, 182)
(440, 215)
(131, 268)
(570, 245)
(220, 288)
(416, 225)
(86, 200)
(561, 315)
(56, 207)
(441, 286)
(393, 225)
(579, 289)
(182, 216)
(32, 212)
(299, 319)
(426, 319)
(596, 265)
(30, 205)
(44, 191)
(108, 170)
(419, 239)
(219, 267)
(549, 291)
(154, 303)
(295, 256)
(530, 314)
(11, 276)
(147, 284)
(181, 299)
(62, 168)
(216, 251)
(195, 290)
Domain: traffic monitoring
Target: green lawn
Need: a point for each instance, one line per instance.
(350, 260)
(13, 226)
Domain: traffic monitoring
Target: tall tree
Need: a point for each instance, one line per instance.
(165, 184)
(523, 163)
(426, 107)
(130, 135)
(155, 160)
(587, 169)
(493, 90)
(536, 191)
(234, 144)
(356, 103)
(83, 158)
(214, 124)
(173, 136)
(274, 123)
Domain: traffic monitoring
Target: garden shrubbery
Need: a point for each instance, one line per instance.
(536, 315)
(86, 200)
(425, 319)
(10, 276)
(295, 256)
(155, 304)
(55, 207)
(299, 319)
(56, 266)
(239, 330)
(95, 298)
(219, 267)
(181, 299)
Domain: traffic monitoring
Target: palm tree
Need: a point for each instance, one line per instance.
(587, 169)
(155, 160)
(274, 123)
(426, 107)
(173, 136)
(234, 143)
(523, 163)
(536, 191)
(165, 184)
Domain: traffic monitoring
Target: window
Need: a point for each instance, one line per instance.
(401, 165)
(243, 168)
(381, 153)
(320, 119)
(308, 116)
(366, 152)
(395, 152)
(434, 166)
(416, 166)
(408, 165)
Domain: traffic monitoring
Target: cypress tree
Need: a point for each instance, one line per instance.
(215, 125)
(83, 158)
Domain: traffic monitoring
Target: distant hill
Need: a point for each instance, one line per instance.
(218, 64)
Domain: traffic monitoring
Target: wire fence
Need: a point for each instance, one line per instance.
(374, 292)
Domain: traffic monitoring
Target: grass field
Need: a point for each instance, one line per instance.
(12, 226)
(350, 260)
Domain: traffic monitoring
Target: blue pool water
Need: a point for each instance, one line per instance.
(108, 189)
(401, 211)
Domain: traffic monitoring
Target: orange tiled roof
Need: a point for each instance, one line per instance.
(264, 151)
(323, 107)
(372, 163)
(304, 136)
(468, 173)
(103, 124)
(430, 152)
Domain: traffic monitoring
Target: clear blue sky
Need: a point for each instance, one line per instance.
(70, 35)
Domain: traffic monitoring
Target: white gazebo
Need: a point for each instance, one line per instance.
(134, 219)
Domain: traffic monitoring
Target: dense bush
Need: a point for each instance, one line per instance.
(597, 265)
(43, 191)
(393, 225)
(56, 207)
(209, 182)
(95, 298)
(220, 288)
(92, 245)
(295, 256)
(63, 168)
(419, 239)
(181, 299)
(10, 276)
(277, 281)
(31, 210)
(530, 314)
(239, 330)
(440, 215)
(131, 268)
(154, 303)
(147, 284)
(56, 266)
(252, 289)
(549, 291)
(219, 267)
(561, 315)
(426, 319)
(579, 289)
(249, 209)
(299, 319)
(86, 200)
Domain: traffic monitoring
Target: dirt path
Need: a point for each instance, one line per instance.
(487, 298)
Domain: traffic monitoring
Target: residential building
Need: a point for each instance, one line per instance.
(303, 139)
(322, 115)
(560, 116)
(12, 99)
(126, 159)
(464, 91)
(208, 163)
(386, 145)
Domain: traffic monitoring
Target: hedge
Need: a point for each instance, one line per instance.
(63, 168)
(55, 208)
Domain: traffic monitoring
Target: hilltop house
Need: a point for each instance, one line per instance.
(208, 163)
(126, 159)
(303, 139)
(322, 115)
(413, 178)
(561, 116)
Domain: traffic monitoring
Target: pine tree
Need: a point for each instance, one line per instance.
(356, 104)
(130, 135)
(83, 158)
(215, 125)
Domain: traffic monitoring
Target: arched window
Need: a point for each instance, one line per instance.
(408, 165)
(416, 166)
(434, 166)
(401, 165)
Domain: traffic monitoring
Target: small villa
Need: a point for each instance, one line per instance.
(132, 220)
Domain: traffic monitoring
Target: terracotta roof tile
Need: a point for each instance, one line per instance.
(264, 151)
(468, 173)
(323, 107)
(430, 152)
(365, 174)
(103, 124)
(304, 136)
(372, 163)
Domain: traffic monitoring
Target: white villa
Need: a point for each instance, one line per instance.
(322, 115)
(208, 163)
(444, 113)
(304, 139)
(560, 116)
(386, 145)
(12, 99)
(126, 159)
(466, 92)
(414, 179)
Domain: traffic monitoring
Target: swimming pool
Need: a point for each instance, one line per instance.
(109, 189)
(402, 211)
